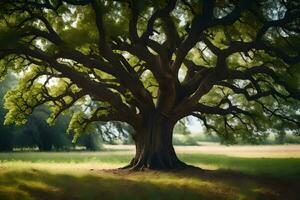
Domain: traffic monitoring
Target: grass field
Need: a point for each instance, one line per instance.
(239, 172)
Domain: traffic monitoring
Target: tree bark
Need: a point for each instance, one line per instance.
(154, 148)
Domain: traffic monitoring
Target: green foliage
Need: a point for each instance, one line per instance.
(182, 127)
(291, 139)
(20, 103)
(184, 140)
(36, 132)
(194, 139)
(150, 83)
(9, 38)
(63, 63)
(6, 132)
(92, 141)
(76, 124)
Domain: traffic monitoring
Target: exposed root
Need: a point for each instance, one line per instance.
(130, 165)
(172, 163)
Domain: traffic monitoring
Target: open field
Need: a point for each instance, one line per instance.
(266, 151)
(238, 172)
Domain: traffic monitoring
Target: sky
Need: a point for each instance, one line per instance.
(194, 125)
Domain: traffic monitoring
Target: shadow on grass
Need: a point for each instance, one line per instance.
(37, 184)
(193, 183)
(283, 168)
(250, 186)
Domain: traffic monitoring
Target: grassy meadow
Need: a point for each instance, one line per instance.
(239, 172)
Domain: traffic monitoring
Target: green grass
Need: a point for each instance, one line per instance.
(67, 157)
(80, 175)
(271, 167)
(38, 184)
(285, 168)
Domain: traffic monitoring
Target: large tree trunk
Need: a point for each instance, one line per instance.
(154, 148)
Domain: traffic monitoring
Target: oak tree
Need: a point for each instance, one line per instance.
(232, 64)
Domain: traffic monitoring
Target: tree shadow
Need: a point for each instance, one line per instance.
(192, 183)
(36, 184)
(262, 187)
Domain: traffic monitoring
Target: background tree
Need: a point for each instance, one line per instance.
(43, 136)
(182, 127)
(6, 132)
(232, 64)
(36, 133)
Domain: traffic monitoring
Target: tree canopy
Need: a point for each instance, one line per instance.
(232, 64)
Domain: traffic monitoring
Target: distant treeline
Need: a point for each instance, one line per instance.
(200, 138)
(38, 134)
